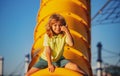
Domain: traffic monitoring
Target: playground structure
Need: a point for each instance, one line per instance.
(77, 16)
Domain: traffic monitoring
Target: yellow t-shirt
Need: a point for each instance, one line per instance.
(56, 44)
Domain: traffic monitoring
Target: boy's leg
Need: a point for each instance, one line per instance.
(31, 71)
(41, 64)
(74, 67)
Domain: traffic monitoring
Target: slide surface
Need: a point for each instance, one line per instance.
(58, 72)
(77, 15)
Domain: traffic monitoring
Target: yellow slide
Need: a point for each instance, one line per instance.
(77, 15)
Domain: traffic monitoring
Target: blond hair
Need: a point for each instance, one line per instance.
(56, 17)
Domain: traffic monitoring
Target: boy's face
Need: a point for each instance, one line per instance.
(56, 27)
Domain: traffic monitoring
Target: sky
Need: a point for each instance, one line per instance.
(17, 23)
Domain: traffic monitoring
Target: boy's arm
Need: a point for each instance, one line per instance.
(69, 39)
(48, 55)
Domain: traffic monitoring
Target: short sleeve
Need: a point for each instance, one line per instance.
(46, 40)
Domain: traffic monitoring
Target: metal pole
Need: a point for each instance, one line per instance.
(1, 65)
(27, 60)
(99, 60)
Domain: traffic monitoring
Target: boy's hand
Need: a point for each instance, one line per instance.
(64, 28)
(51, 68)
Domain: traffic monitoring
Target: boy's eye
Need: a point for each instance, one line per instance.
(61, 25)
(55, 25)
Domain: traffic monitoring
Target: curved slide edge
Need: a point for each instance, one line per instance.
(57, 72)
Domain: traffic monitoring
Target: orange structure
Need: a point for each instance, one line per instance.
(77, 15)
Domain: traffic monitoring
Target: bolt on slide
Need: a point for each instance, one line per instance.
(77, 15)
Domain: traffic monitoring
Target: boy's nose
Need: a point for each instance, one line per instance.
(58, 26)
